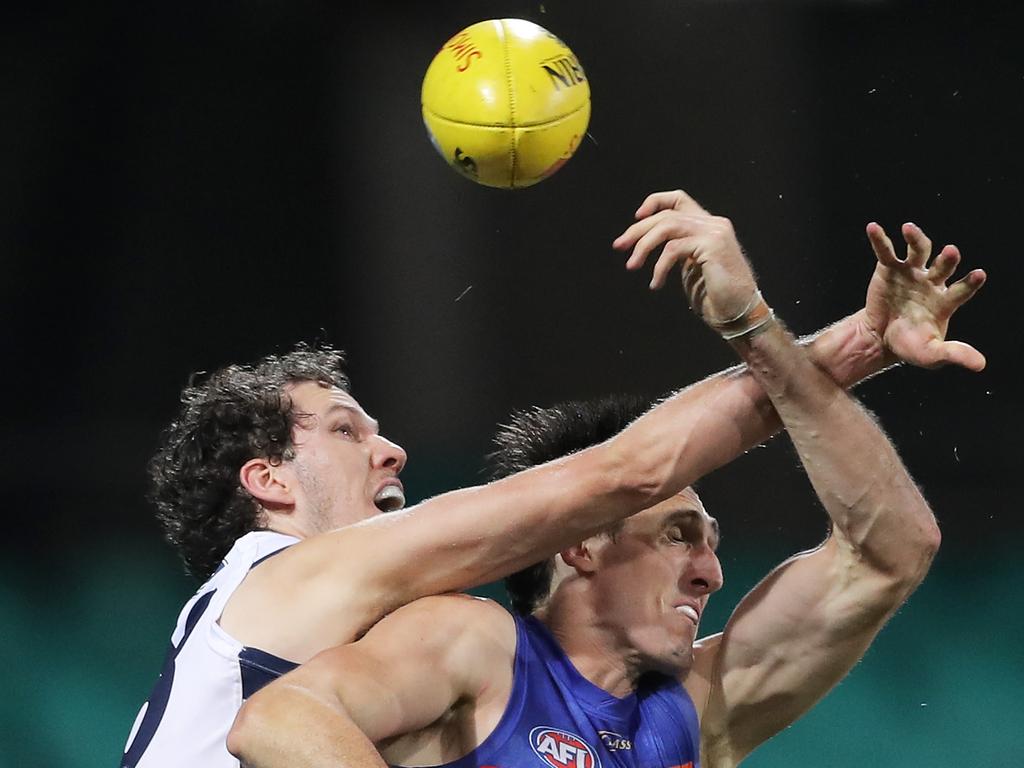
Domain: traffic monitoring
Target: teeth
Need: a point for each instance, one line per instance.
(390, 498)
(689, 612)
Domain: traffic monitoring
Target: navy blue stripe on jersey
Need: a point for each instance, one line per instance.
(161, 694)
(259, 668)
(225, 562)
(265, 557)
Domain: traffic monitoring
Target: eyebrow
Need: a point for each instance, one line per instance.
(690, 515)
(357, 413)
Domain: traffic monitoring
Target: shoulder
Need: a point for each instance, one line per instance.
(463, 640)
(456, 621)
(456, 605)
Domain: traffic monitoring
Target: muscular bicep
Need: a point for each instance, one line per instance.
(789, 641)
(415, 665)
(408, 672)
(384, 694)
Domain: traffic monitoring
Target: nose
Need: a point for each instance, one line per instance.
(387, 455)
(705, 572)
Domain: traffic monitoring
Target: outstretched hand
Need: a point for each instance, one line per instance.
(909, 304)
(716, 277)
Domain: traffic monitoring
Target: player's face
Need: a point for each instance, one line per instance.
(345, 470)
(655, 577)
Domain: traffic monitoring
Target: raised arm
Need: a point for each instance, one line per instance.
(407, 673)
(905, 317)
(805, 626)
(329, 587)
(801, 630)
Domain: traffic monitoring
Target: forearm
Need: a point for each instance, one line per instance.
(478, 535)
(848, 351)
(865, 488)
(708, 424)
(292, 728)
(695, 431)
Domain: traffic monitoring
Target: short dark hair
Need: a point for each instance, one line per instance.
(538, 435)
(238, 413)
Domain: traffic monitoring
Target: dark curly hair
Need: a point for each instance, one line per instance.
(538, 435)
(238, 413)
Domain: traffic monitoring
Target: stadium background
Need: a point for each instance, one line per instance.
(191, 184)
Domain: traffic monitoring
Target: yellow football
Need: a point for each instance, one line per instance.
(506, 103)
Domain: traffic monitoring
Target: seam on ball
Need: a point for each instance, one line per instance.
(514, 134)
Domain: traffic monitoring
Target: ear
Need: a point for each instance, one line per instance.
(267, 483)
(580, 557)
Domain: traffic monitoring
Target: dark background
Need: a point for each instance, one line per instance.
(186, 185)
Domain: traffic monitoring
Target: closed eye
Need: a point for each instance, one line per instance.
(675, 533)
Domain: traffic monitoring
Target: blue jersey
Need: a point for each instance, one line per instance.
(557, 716)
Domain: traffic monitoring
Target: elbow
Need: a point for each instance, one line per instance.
(928, 539)
(901, 554)
(919, 554)
(249, 723)
(931, 538)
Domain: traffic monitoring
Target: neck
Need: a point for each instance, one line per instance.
(289, 523)
(599, 651)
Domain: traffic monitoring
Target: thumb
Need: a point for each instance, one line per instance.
(964, 355)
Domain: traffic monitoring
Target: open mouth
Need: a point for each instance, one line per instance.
(689, 612)
(390, 498)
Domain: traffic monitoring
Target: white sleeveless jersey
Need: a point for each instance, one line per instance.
(206, 675)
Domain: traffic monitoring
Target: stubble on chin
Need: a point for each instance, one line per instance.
(319, 498)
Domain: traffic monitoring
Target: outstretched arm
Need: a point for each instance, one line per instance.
(796, 634)
(804, 627)
(328, 587)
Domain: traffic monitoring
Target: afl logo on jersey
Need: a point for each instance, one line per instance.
(561, 749)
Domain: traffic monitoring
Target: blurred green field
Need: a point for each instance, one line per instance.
(939, 687)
